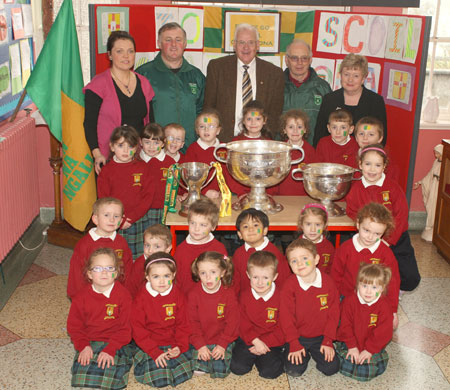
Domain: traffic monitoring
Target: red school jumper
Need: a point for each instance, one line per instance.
(365, 327)
(160, 321)
(136, 279)
(348, 258)
(186, 253)
(309, 313)
(214, 317)
(329, 151)
(325, 250)
(261, 319)
(83, 249)
(94, 317)
(240, 259)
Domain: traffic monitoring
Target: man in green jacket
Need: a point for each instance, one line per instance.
(303, 88)
(179, 86)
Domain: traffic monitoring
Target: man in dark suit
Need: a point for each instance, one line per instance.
(225, 78)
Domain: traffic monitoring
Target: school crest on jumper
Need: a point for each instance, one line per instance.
(301, 165)
(345, 157)
(137, 179)
(373, 319)
(317, 100)
(170, 310)
(222, 154)
(194, 88)
(323, 301)
(110, 311)
(119, 253)
(375, 260)
(386, 197)
(220, 310)
(326, 258)
(271, 312)
(164, 173)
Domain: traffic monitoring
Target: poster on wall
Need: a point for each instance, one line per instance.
(191, 19)
(376, 36)
(268, 24)
(330, 30)
(194, 58)
(17, 23)
(355, 31)
(3, 28)
(324, 68)
(398, 82)
(208, 57)
(412, 37)
(15, 67)
(395, 38)
(142, 58)
(25, 60)
(110, 19)
(164, 15)
(5, 85)
(27, 20)
(372, 81)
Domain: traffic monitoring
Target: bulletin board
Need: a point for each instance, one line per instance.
(395, 46)
(16, 53)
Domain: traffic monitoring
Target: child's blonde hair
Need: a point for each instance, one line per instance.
(103, 251)
(223, 262)
(377, 274)
(160, 258)
(263, 259)
(107, 200)
(206, 208)
(341, 115)
(294, 114)
(255, 105)
(315, 209)
(376, 212)
(371, 121)
(301, 243)
(159, 231)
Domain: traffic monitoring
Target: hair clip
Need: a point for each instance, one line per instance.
(372, 148)
(311, 205)
(160, 259)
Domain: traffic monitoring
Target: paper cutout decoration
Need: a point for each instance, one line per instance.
(373, 77)
(324, 68)
(164, 15)
(191, 19)
(412, 39)
(110, 19)
(17, 23)
(355, 31)
(25, 60)
(3, 28)
(5, 85)
(398, 85)
(194, 58)
(15, 67)
(337, 76)
(330, 32)
(395, 38)
(208, 57)
(142, 58)
(27, 20)
(376, 36)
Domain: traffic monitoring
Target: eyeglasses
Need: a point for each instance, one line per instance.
(173, 139)
(243, 43)
(210, 127)
(99, 268)
(303, 59)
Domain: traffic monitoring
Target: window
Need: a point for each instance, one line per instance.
(437, 80)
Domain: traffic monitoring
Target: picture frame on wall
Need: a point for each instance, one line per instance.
(267, 24)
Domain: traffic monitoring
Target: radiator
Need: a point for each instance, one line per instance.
(19, 187)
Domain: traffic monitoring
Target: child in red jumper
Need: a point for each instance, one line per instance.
(153, 153)
(366, 326)
(157, 238)
(339, 147)
(313, 222)
(252, 226)
(107, 216)
(261, 339)
(295, 130)
(253, 122)
(376, 187)
(174, 137)
(309, 312)
(213, 314)
(129, 180)
(373, 221)
(99, 326)
(160, 327)
(203, 216)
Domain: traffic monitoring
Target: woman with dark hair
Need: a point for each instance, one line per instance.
(115, 97)
(353, 96)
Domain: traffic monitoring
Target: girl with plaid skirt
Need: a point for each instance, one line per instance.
(213, 314)
(160, 327)
(366, 325)
(99, 326)
(129, 180)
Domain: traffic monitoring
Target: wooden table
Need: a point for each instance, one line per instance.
(286, 220)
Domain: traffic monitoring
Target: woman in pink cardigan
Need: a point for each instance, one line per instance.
(116, 97)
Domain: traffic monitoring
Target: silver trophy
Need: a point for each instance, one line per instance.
(194, 175)
(258, 164)
(326, 182)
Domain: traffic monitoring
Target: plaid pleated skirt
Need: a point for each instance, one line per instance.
(134, 235)
(362, 372)
(215, 368)
(178, 370)
(114, 377)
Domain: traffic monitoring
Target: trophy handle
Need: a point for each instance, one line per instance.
(180, 182)
(220, 146)
(214, 173)
(299, 159)
(294, 171)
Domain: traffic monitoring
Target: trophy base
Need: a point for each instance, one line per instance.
(264, 203)
(333, 209)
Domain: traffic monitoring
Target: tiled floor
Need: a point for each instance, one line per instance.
(36, 353)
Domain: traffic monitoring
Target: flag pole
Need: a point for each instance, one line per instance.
(16, 110)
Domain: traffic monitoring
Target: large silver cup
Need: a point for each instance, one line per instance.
(258, 164)
(194, 175)
(326, 182)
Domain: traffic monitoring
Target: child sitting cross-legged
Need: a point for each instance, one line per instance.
(252, 226)
(309, 312)
(203, 216)
(366, 325)
(261, 339)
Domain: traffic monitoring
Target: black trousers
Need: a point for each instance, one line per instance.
(270, 365)
(312, 348)
(407, 264)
